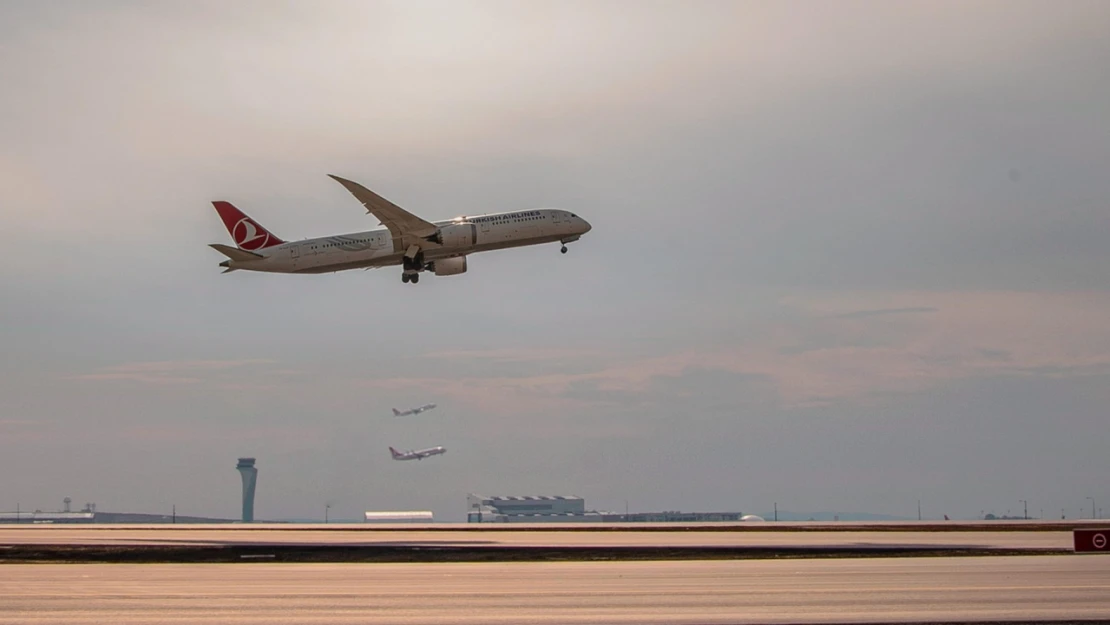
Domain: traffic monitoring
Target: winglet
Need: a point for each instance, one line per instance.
(356, 190)
(399, 221)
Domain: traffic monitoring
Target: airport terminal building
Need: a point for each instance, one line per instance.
(677, 517)
(401, 516)
(569, 509)
(528, 509)
(38, 516)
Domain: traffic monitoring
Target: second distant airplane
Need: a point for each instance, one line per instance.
(410, 411)
(417, 454)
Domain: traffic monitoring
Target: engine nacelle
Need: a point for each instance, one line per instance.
(450, 266)
(455, 235)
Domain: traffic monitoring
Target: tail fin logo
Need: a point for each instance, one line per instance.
(247, 236)
(247, 233)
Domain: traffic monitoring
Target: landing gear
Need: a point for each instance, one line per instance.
(570, 239)
(412, 265)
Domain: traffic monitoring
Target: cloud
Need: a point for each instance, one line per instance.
(170, 372)
(518, 354)
(817, 358)
(16, 431)
(287, 436)
(855, 314)
(21, 423)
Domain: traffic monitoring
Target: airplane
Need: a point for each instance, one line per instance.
(439, 247)
(403, 413)
(418, 454)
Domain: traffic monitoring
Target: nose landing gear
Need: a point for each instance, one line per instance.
(570, 239)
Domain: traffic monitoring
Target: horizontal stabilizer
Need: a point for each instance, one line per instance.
(235, 253)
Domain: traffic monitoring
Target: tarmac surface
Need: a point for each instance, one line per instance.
(1015, 588)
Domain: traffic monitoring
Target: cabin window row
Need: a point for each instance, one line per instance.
(316, 247)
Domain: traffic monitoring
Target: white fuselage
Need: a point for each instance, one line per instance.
(377, 248)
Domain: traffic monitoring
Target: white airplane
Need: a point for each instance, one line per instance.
(418, 454)
(417, 245)
(404, 413)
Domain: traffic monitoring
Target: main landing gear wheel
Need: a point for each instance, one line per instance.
(405, 278)
(415, 278)
(564, 250)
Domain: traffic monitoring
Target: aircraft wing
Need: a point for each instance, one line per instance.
(401, 223)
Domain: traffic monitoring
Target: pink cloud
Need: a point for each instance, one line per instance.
(20, 431)
(144, 378)
(511, 354)
(849, 347)
(290, 436)
(169, 372)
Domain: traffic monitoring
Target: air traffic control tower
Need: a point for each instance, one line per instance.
(250, 476)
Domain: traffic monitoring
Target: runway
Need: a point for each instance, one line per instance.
(1051, 588)
(364, 535)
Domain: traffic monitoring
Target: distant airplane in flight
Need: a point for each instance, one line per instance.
(417, 245)
(418, 454)
(404, 413)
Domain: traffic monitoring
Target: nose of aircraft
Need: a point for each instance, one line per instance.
(586, 227)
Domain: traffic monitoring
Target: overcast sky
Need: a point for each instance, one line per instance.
(845, 255)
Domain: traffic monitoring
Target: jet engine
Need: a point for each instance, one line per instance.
(450, 266)
(455, 235)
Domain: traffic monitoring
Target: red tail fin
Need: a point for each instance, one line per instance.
(247, 233)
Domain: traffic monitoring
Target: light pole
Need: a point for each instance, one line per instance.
(1092, 507)
(918, 509)
(327, 507)
(776, 511)
(1026, 508)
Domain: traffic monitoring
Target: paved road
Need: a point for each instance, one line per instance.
(361, 535)
(814, 591)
